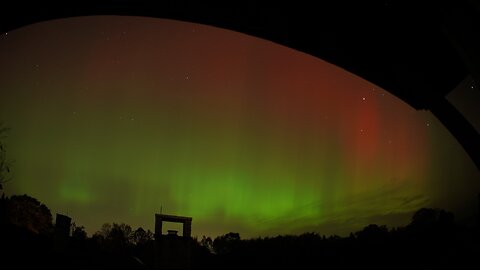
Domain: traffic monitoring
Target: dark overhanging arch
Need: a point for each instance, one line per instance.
(418, 52)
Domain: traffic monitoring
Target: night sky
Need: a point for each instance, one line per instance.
(113, 118)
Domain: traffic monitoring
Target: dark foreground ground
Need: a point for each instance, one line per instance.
(431, 241)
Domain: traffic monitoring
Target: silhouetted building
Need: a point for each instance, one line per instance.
(186, 221)
(172, 251)
(172, 232)
(62, 231)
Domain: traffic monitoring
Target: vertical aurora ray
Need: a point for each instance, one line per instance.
(115, 117)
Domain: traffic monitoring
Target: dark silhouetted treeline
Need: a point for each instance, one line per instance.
(432, 240)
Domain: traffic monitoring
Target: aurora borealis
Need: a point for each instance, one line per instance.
(113, 118)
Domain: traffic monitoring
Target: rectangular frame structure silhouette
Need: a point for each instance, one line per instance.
(160, 218)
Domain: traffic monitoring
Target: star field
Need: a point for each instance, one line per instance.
(115, 117)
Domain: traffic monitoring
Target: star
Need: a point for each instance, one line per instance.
(363, 99)
(428, 124)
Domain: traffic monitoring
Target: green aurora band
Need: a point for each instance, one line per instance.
(114, 118)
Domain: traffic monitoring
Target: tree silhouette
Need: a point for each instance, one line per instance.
(207, 243)
(430, 218)
(115, 237)
(226, 243)
(5, 174)
(431, 241)
(3, 209)
(78, 232)
(104, 231)
(28, 212)
(141, 237)
(372, 232)
(120, 234)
